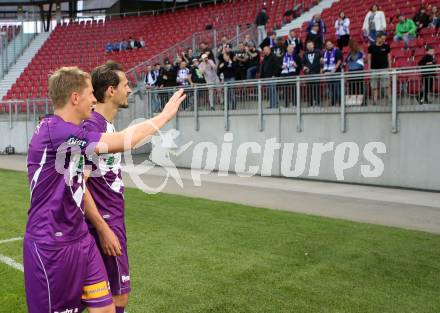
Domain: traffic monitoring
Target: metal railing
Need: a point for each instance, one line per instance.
(12, 45)
(392, 91)
(381, 90)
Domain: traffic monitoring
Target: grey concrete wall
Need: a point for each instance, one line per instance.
(411, 158)
(16, 134)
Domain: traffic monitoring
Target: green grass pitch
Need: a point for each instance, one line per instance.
(193, 255)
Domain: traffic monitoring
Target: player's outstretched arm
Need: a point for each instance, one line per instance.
(128, 138)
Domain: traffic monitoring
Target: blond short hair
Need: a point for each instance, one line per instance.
(64, 81)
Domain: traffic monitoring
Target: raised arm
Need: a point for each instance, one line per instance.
(128, 138)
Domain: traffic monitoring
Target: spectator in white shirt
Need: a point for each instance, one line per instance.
(374, 22)
(183, 75)
(342, 26)
(209, 71)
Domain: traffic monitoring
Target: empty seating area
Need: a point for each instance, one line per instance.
(83, 43)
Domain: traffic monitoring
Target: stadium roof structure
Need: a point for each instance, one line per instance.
(28, 2)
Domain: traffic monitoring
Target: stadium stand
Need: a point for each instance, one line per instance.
(83, 43)
(356, 13)
(10, 30)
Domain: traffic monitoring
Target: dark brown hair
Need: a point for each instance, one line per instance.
(105, 76)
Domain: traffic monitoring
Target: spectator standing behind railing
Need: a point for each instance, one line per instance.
(427, 77)
(248, 41)
(342, 27)
(261, 21)
(242, 59)
(279, 50)
(355, 62)
(204, 49)
(209, 71)
(405, 30)
(168, 75)
(224, 44)
(270, 69)
(293, 39)
(253, 63)
(229, 70)
(379, 58)
(314, 36)
(196, 73)
(157, 70)
(270, 41)
(322, 30)
(332, 63)
(312, 66)
(183, 78)
(150, 83)
(291, 67)
(374, 22)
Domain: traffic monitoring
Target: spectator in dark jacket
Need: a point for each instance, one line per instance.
(270, 69)
(196, 74)
(315, 37)
(322, 30)
(242, 58)
(421, 18)
(312, 66)
(279, 50)
(428, 77)
(261, 21)
(229, 69)
(253, 63)
(270, 41)
(295, 41)
(168, 76)
(204, 49)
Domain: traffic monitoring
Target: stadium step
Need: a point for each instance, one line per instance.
(305, 17)
(22, 62)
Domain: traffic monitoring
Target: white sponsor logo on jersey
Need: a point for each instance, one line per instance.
(125, 278)
(75, 310)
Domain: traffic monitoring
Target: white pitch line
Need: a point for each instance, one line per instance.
(11, 263)
(11, 239)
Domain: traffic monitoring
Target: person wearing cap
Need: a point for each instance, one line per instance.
(168, 76)
(209, 71)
